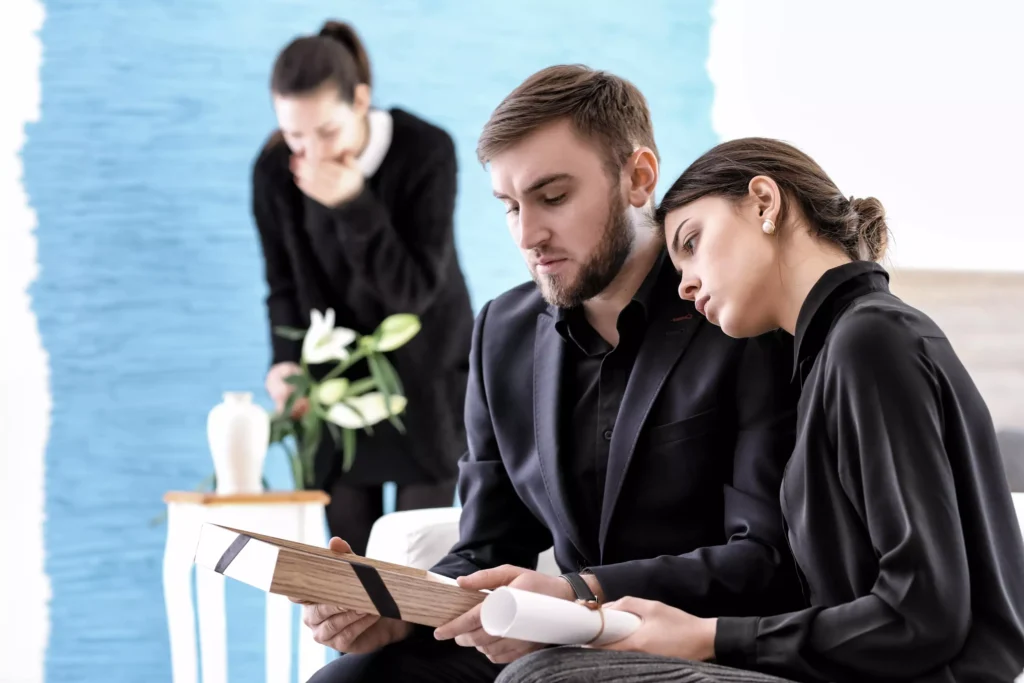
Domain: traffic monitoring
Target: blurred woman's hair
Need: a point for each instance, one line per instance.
(335, 56)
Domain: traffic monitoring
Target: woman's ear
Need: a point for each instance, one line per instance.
(642, 176)
(766, 197)
(361, 99)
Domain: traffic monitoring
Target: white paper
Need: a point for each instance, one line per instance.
(521, 615)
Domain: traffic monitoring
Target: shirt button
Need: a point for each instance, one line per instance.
(607, 435)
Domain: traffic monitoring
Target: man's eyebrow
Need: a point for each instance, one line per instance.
(538, 184)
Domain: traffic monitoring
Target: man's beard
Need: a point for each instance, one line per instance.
(599, 270)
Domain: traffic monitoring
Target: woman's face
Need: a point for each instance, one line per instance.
(320, 125)
(727, 263)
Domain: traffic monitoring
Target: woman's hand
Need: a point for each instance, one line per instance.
(330, 182)
(280, 390)
(666, 631)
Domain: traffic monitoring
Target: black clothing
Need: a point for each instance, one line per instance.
(389, 250)
(896, 505)
(594, 379)
(353, 509)
(418, 659)
(689, 513)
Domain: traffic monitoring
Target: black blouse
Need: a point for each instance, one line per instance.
(896, 505)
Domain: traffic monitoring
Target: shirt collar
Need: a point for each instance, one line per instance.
(826, 301)
(381, 128)
(643, 300)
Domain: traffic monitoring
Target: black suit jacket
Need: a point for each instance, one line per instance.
(691, 511)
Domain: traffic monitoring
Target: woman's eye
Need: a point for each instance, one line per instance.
(512, 208)
(690, 244)
(554, 201)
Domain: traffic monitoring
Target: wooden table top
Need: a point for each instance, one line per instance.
(265, 498)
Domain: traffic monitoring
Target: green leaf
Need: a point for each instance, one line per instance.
(348, 450)
(299, 381)
(380, 378)
(292, 333)
(392, 376)
(310, 443)
(397, 423)
(335, 431)
(298, 478)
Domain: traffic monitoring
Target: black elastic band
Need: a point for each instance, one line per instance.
(231, 553)
(378, 593)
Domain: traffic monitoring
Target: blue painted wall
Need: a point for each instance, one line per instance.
(150, 293)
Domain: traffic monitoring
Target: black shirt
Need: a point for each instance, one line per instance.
(391, 249)
(896, 506)
(595, 375)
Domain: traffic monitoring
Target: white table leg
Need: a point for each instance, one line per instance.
(312, 655)
(279, 639)
(213, 643)
(177, 578)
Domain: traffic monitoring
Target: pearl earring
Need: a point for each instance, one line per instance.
(768, 227)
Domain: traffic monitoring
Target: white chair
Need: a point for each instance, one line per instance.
(419, 538)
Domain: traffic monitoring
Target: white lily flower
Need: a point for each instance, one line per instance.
(369, 409)
(324, 342)
(396, 330)
(331, 391)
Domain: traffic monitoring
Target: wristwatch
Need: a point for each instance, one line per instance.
(579, 586)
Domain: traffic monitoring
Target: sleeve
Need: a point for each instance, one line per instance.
(404, 265)
(885, 419)
(282, 302)
(496, 527)
(751, 573)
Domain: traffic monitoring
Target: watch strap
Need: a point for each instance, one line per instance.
(580, 587)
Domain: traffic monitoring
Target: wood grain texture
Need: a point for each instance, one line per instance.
(267, 498)
(313, 574)
(982, 314)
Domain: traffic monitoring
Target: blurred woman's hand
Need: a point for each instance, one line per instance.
(280, 390)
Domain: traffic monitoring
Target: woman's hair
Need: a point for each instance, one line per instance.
(335, 56)
(856, 225)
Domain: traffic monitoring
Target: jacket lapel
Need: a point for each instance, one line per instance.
(668, 335)
(547, 382)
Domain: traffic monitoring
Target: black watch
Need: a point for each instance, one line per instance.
(580, 588)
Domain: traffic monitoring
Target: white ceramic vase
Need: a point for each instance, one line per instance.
(238, 431)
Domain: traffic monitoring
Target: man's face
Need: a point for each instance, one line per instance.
(565, 212)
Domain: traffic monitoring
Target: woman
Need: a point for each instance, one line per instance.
(354, 207)
(895, 501)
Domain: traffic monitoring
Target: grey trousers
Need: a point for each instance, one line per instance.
(579, 665)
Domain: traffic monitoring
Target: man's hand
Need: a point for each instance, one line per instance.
(348, 631)
(280, 390)
(467, 630)
(328, 181)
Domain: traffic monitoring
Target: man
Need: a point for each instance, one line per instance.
(604, 415)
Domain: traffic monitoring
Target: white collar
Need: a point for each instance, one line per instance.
(380, 129)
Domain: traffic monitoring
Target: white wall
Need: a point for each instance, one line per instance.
(920, 104)
(24, 381)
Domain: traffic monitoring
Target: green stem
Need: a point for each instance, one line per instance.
(344, 365)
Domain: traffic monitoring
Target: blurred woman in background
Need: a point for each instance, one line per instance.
(354, 206)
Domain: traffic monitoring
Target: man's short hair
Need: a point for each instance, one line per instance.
(601, 107)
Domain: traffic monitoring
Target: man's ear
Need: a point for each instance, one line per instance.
(641, 176)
